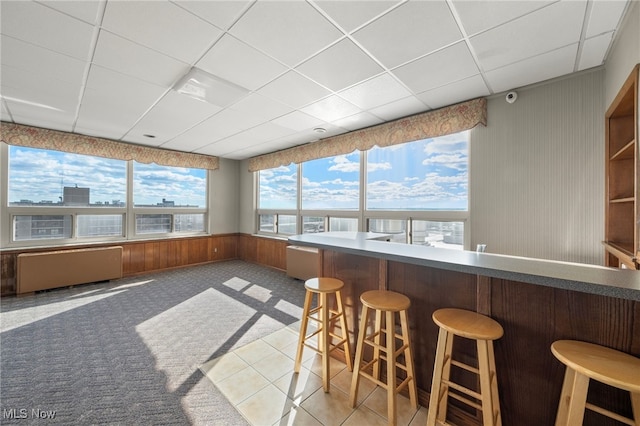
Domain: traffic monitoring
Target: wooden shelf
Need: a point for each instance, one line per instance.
(626, 152)
(622, 214)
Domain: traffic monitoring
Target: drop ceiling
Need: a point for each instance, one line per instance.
(107, 68)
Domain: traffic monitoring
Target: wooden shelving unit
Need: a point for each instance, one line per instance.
(622, 230)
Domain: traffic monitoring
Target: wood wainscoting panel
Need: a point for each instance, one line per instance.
(533, 317)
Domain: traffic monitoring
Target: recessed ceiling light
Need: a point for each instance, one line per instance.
(208, 88)
(319, 130)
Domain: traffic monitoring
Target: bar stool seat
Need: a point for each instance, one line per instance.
(482, 329)
(326, 318)
(585, 361)
(388, 303)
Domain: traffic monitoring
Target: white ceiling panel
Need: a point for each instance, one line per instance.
(163, 123)
(288, 31)
(605, 16)
(294, 90)
(45, 27)
(162, 26)
(400, 108)
(480, 15)
(298, 121)
(455, 92)
(350, 15)
(105, 68)
(221, 13)
(549, 28)
(40, 61)
(593, 50)
(340, 66)
(445, 66)
(375, 92)
(86, 10)
(539, 68)
(126, 57)
(409, 31)
(237, 62)
(331, 108)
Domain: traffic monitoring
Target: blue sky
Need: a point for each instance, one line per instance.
(38, 175)
(431, 174)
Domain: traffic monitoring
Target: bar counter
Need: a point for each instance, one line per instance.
(536, 301)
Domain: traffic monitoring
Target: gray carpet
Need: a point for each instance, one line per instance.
(128, 351)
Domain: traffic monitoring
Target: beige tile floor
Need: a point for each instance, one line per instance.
(258, 380)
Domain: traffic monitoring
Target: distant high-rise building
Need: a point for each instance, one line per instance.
(74, 196)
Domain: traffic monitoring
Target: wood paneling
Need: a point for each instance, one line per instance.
(533, 316)
(144, 257)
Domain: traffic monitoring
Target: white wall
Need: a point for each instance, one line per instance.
(224, 193)
(247, 202)
(625, 53)
(537, 172)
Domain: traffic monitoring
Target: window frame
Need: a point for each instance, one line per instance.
(128, 212)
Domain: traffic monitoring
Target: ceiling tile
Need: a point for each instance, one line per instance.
(443, 67)
(357, 121)
(604, 16)
(409, 31)
(400, 108)
(294, 90)
(162, 121)
(220, 13)
(121, 55)
(236, 62)
(331, 108)
(450, 94)
(261, 107)
(375, 92)
(290, 34)
(4, 112)
(539, 68)
(246, 139)
(45, 27)
(108, 102)
(340, 66)
(594, 51)
(86, 10)
(45, 120)
(547, 29)
(480, 15)
(298, 121)
(41, 61)
(350, 15)
(172, 31)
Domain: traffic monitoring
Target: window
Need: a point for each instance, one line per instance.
(278, 188)
(438, 234)
(43, 178)
(331, 183)
(430, 174)
(63, 197)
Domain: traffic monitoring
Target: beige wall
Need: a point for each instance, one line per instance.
(247, 200)
(224, 197)
(537, 172)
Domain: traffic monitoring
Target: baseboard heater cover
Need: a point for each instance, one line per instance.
(61, 268)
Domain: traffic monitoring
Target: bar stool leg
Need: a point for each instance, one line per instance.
(408, 357)
(635, 406)
(303, 330)
(438, 411)
(377, 328)
(390, 335)
(578, 399)
(485, 382)
(345, 331)
(324, 336)
(494, 385)
(355, 379)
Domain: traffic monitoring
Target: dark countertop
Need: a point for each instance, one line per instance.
(600, 280)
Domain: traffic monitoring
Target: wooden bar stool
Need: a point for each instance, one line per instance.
(585, 361)
(389, 303)
(482, 329)
(326, 318)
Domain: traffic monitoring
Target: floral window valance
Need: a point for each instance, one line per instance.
(34, 137)
(440, 122)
